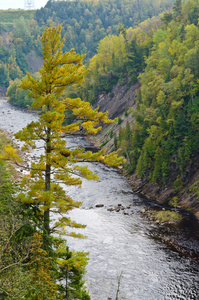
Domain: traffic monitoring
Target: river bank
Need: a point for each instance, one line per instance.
(181, 234)
(117, 241)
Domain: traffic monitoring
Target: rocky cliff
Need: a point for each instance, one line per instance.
(120, 100)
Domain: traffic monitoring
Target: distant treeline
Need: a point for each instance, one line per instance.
(85, 23)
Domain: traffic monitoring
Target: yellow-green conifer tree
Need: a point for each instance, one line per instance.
(42, 193)
(58, 163)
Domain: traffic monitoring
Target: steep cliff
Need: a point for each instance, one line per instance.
(119, 103)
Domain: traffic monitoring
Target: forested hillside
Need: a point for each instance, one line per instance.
(19, 48)
(85, 23)
(118, 59)
(161, 145)
(165, 132)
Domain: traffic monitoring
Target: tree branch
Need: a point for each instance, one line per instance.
(28, 168)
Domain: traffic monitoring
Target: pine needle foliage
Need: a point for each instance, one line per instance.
(58, 164)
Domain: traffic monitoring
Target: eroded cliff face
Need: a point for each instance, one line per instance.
(123, 99)
(187, 193)
(120, 100)
(35, 61)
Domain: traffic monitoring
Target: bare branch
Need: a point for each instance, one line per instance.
(118, 286)
(14, 264)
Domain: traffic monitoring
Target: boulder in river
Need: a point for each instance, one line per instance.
(99, 205)
(110, 209)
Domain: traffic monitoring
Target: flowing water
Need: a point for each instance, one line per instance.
(119, 243)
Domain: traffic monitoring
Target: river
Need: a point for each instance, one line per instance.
(119, 242)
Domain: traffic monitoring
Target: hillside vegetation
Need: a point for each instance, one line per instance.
(85, 23)
(18, 42)
(165, 133)
(118, 59)
(161, 145)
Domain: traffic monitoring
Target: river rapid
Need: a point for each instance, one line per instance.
(119, 243)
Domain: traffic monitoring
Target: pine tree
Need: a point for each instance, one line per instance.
(71, 270)
(177, 8)
(42, 192)
(57, 163)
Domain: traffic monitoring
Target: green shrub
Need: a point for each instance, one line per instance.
(119, 120)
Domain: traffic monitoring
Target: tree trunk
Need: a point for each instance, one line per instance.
(47, 211)
(47, 183)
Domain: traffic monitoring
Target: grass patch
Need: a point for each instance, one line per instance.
(166, 216)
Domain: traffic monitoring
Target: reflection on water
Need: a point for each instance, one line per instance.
(119, 242)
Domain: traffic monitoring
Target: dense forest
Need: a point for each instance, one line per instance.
(165, 135)
(85, 23)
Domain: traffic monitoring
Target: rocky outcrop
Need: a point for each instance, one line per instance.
(6, 39)
(121, 98)
(35, 61)
(186, 193)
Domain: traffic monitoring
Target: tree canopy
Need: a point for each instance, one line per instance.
(164, 137)
(85, 23)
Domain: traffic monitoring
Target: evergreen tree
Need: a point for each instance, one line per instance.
(71, 270)
(42, 190)
(177, 8)
(59, 70)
